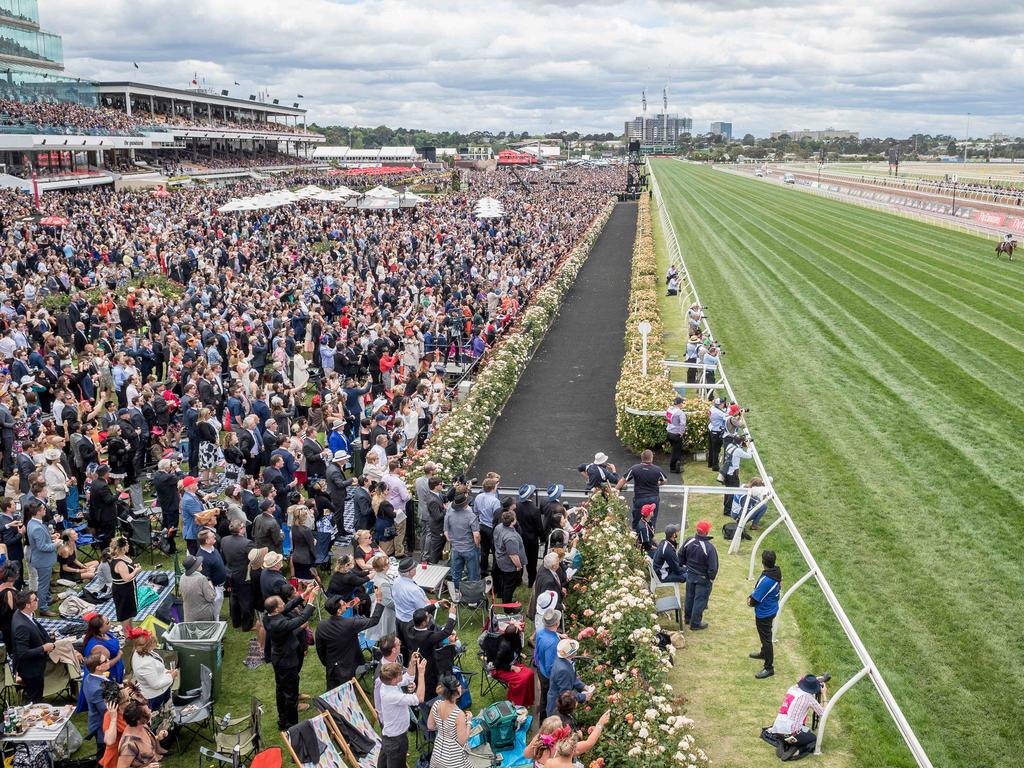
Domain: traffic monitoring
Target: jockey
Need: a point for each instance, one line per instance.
(1008, 237)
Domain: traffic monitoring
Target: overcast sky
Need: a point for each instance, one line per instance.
(883, 68)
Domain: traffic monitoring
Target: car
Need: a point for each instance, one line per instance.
(759, 174)
(789, 179)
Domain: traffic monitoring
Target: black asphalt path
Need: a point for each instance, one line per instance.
(563, 411)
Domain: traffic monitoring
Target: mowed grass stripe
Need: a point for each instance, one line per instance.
(895, 497)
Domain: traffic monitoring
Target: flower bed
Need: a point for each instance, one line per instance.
(653, 392)
(458, 438)
(610, 610)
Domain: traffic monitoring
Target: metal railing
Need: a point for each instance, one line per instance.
(868, 667)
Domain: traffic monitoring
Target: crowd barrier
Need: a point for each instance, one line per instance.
(868, 667)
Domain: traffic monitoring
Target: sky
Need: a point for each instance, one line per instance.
(889, 68)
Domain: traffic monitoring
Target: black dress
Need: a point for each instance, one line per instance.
(6, 617)
(125, 605)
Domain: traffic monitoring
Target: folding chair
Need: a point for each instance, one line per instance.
(670, 603)
(56, 680)
(192, 711)
(10, 693)
(343, 701)
(327, 734)
(487, 649)
(471, 594)
(140, 537)
(240, 735)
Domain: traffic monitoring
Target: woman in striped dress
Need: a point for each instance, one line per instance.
(452, 726)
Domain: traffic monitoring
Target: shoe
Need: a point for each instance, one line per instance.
(303, 706)
(765, 673)
(756, 655)
(304, 697)
(702, 625)
(49, 614)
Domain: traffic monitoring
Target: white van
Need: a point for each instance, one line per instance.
(788, 179)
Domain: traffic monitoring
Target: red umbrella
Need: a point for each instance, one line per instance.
(161, 192)
(335, 172)
(54, 221)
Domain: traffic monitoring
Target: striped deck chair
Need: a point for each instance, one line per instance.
(344, 700)
(331, 757)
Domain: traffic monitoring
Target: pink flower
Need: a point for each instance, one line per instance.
(585, 633)
(588, 613)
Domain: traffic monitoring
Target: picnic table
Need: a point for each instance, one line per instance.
(428, 577)
(106, 608)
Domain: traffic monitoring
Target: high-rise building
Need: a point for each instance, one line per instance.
(658, 129)
(722, 129)
(32, 61)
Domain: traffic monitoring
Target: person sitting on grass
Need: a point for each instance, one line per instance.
(71, 568)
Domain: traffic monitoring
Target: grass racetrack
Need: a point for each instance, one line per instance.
(882, 358)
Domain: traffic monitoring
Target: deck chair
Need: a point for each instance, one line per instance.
(192, 712)
(669, 603)
(326, 733)
(343, 700)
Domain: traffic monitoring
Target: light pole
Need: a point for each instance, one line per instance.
(645, 329)
(954, 195)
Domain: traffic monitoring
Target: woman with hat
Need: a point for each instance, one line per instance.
(57, 480)
(148, 669)
(256, 557)
(198, 595)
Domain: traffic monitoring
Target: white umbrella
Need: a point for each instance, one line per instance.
(411, 199)
(382, 192)
(232, 205)
(311, 191)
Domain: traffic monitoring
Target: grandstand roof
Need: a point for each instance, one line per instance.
(349, 155)
(201, 97)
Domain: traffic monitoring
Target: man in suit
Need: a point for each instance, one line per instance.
(312, 451)
(92, 692)
(32, 643)
(337, 639)
(250, 442)
(425, 636)
(235, 549)
(103, 507)
(337, 486)
(42, 553)
(283, 651)
(273, 475)
(7, 438)
(548, 580)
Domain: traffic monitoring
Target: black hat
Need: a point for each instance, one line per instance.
(508, 502)
(810, 684)
(406, 564)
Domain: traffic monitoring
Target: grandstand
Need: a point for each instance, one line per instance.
(362, 158)
(69, 131)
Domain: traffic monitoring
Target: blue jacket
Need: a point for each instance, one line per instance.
(563, 678)
(92, 691)
(44, 551)
(190, 507)
(766, 593)
(546, 651)
(336, 442)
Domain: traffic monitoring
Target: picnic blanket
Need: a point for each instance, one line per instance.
(106, 608)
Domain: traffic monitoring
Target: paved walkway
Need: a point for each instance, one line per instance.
(563, 410)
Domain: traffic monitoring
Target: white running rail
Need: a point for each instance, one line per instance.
(868, 668)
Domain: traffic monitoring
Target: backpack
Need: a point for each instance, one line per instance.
(729, 530)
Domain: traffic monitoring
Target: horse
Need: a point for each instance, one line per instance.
(1006, 246)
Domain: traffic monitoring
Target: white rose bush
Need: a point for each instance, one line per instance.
(610, 610)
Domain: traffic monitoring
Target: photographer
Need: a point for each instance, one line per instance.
(800, 700)
(731, 457)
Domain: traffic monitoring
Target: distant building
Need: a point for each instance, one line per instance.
(475, 154)
(722, 129)
(659, 129)
(806, 133)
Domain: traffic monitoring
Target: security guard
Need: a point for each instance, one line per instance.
(646, 477)
(700, 559)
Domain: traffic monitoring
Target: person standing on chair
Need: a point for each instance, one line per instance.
(394, 713)
(700, 559)
(765, 602)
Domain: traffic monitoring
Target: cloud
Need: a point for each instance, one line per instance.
(890, 68)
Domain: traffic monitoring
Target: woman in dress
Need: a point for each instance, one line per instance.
(508, 667)
(451, 725)
(347, 581)
(384, 529)
(124, 573)
(363, 551)
(98, 634)
(383, 581)
(71, 568)
(57, 480)
(9, 575)
(209, 451)
(119, 455)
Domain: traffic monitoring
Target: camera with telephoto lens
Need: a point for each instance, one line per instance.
(460, 479)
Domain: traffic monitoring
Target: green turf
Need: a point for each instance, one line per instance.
(882, 358)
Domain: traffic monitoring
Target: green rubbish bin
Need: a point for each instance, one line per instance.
(198, 644)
